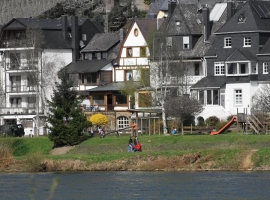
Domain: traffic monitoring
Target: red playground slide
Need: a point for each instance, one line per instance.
(234, 119)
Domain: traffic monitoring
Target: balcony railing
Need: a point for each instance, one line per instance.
(22, 66)
(21, 88)
(109, 107)
(19, 110)
(180, 80)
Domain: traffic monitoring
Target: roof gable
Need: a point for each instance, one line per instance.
(145, 28)
(248, 18)
(240, 55)
(185, 20)
(13, 25)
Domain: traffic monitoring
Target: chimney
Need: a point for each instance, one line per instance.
(75, 38)
(171, 7)
(230, 10)
(122, 34)
(206, 23)
(64, 26)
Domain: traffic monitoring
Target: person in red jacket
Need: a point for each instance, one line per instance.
(137, 147)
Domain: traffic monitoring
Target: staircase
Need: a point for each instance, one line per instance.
(255, 124)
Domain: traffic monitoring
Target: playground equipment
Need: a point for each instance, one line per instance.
(225, 127)
(246, 121)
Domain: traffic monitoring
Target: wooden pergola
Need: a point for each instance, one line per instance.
(144, 117)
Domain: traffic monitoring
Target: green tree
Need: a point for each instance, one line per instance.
(66, 119)
(147, 2)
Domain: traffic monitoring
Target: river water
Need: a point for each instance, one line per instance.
(136, 185)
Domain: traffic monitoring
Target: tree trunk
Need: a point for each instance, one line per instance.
(165, 129)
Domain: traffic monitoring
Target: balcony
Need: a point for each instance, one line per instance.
(103, 108)
(181, 80)
(20, 89)
(21, 66)
(15, 43)
(19, 111)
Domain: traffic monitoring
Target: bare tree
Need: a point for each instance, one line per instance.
(168, 72)
(261, 99)
(182, 107)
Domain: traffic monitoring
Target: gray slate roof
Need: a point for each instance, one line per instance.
(86, 66)
(252, 19)
(116, 86)
(102, 42)
(154, 7)
(210, 82)
(147, 26)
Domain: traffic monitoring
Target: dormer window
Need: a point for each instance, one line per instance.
(185, 42)
(84, 37)
(241, 18)
(247, 42)
(227, 42)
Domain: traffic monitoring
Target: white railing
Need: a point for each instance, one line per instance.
(180, 80)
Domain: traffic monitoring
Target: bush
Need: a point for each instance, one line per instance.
(98, 119)
(212, 121)
(220, 124)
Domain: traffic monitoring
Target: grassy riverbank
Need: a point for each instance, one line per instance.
(190, 152)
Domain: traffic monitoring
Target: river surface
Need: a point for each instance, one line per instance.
(136, 185)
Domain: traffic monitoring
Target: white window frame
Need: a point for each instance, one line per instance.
(219, 69)
(247, 41)
(84, 37)
(185, 42)
(122, 122)
(238, 97)
(227, 42)
(265, 67)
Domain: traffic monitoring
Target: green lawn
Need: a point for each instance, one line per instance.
(224, 147)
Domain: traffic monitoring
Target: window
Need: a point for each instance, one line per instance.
(242, 68)
(84, 37)
(185, 42)
(15, 60)
(265, 67)
(219, 69)
(129, 52)
(15, 82)
(122, 122)
(238, 97)
(98, 99)
(232, 68)
(136, 32)
(81, 77)
(91, 78)
(143, 52)
(197, 69)
(212, 97)
(129, 75)
(227, 42)
(16, 102)
(121, 99)
(247, 42)
(201, 96)
(31, 102)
